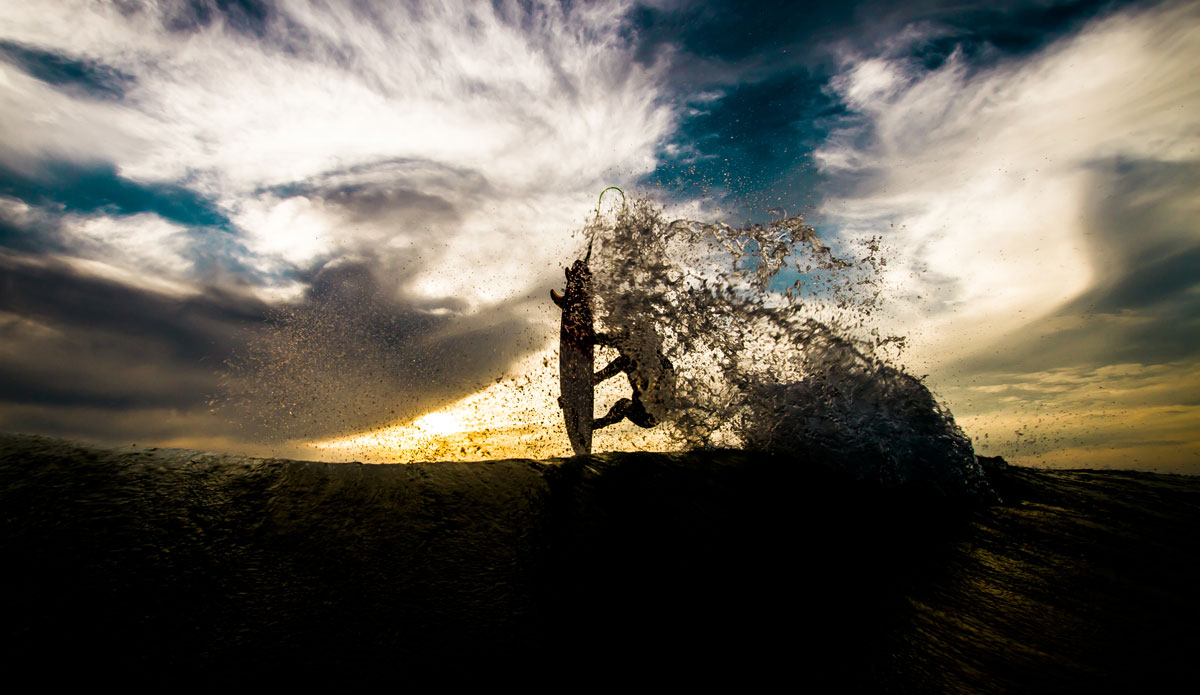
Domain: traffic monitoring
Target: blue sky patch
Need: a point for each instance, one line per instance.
(82, 76)
(69, 187)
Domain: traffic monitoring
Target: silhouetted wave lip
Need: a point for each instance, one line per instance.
(169, 566)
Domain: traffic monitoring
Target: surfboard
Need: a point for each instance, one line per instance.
(577, 395)
(576, 357)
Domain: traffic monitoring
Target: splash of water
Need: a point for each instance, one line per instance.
(769, 334)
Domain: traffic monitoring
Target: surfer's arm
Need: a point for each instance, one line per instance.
(611, 339)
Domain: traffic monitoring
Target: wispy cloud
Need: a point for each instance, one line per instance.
(1041, 216)
(187, 150)
(1126, 415)
(984, 178)
(542, 103)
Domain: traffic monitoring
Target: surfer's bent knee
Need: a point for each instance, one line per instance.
(638, 415)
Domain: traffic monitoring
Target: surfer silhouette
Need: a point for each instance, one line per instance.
(652, 378)
(650, 373)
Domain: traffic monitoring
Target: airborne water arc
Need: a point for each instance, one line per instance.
(766, 364)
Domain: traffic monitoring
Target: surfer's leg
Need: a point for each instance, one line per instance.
(615, 414)
(638, 415)
(621, 364)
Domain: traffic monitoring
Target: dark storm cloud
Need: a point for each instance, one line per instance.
(346, 357)
(41, 234)
(81, 76)
(993, 31)
(731, 31)
(268, 24)
(380, 201)
(352, 356)
(764, 67)
(1141, 214)
(77, 341)
(770, 36)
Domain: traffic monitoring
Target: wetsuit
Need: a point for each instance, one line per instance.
(634, 409)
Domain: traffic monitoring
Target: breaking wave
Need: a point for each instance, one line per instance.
(768, 332)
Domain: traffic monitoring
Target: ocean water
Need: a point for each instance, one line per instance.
(823, 521)
(182, 569)
(774, 346)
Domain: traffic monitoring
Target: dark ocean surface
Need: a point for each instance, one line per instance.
(187, 570)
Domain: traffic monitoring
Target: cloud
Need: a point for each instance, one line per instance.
(543, 103)
(342, 358)
(350, 357)
(376, 197)
(1041, 213)
(1124, 415)
(1144, 302)
(984, 178)
(42, 122)
(98, 188)
(88, 78)
(72, 338)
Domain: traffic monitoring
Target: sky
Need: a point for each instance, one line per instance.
(328, 229)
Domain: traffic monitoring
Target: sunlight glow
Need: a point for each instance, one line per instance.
(438, 423)
(515, 417)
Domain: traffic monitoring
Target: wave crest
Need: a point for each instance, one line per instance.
(769, 333)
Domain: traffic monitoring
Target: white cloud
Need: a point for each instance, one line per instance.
(140, 250)
(867, 82)
(544, 107)
(286, 231)
(143, 243)
(985, 173)
(38, 122)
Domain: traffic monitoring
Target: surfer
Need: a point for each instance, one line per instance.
(640, 357)
(652, 380)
